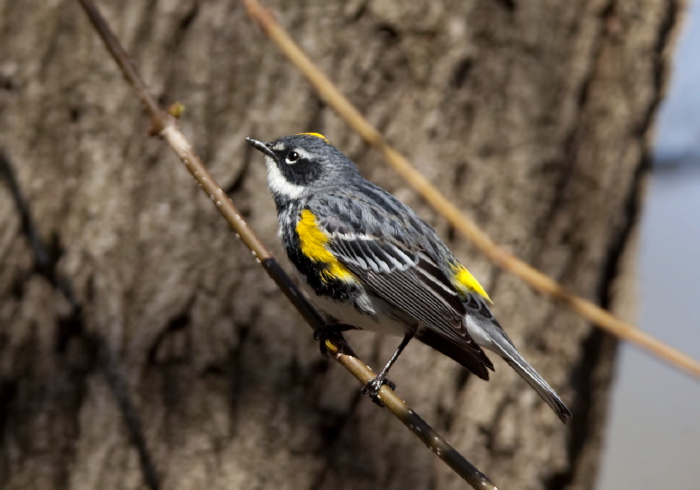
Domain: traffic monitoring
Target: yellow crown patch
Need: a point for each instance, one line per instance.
(315, 135)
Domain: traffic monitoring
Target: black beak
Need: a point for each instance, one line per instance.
(260, 146)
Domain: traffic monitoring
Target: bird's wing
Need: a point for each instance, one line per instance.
(407, 279)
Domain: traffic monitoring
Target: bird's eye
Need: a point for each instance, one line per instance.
(293, 157)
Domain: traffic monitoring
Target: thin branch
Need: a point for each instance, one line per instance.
(164, 125)
(531, 276)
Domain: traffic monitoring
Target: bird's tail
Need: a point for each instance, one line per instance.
(533, 378)
(463, 354)
(491, 336)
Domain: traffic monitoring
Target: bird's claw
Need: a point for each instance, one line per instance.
(372, 388)
(332, 332)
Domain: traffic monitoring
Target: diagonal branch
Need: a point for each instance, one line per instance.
(533, 277)
(164, 125)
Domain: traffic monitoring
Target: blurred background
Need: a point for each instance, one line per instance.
(142, 347)
(654, 435)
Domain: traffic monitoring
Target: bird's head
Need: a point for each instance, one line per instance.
(303, 164)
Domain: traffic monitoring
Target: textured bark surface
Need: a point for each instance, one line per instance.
(142, 347)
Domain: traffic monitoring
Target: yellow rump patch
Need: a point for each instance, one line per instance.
(467, 282)
(315, 135)
(313, 245)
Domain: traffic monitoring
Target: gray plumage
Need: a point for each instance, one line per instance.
(387, 271)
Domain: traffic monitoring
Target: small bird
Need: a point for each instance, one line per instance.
(370, 263)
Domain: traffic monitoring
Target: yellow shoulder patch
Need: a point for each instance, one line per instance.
(313, 245)
(315, 135)
(465, 281)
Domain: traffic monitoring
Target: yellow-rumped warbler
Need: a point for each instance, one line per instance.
(371, 263)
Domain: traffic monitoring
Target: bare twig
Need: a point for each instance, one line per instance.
(533, 277)
(164, 125)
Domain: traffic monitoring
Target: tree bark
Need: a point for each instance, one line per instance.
(142, 347)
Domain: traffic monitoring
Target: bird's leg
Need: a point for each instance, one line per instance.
(331, 331)
(372, 388)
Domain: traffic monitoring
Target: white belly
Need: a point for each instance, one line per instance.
(380, 322)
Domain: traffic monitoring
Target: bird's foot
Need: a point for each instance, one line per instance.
(372, 388)
(332, 332)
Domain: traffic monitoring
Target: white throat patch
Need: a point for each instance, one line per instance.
(278, 184)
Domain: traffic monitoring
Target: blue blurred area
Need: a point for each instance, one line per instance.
(653, 439)
(678, 126)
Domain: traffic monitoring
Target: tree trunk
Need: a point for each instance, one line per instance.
(142, 347)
